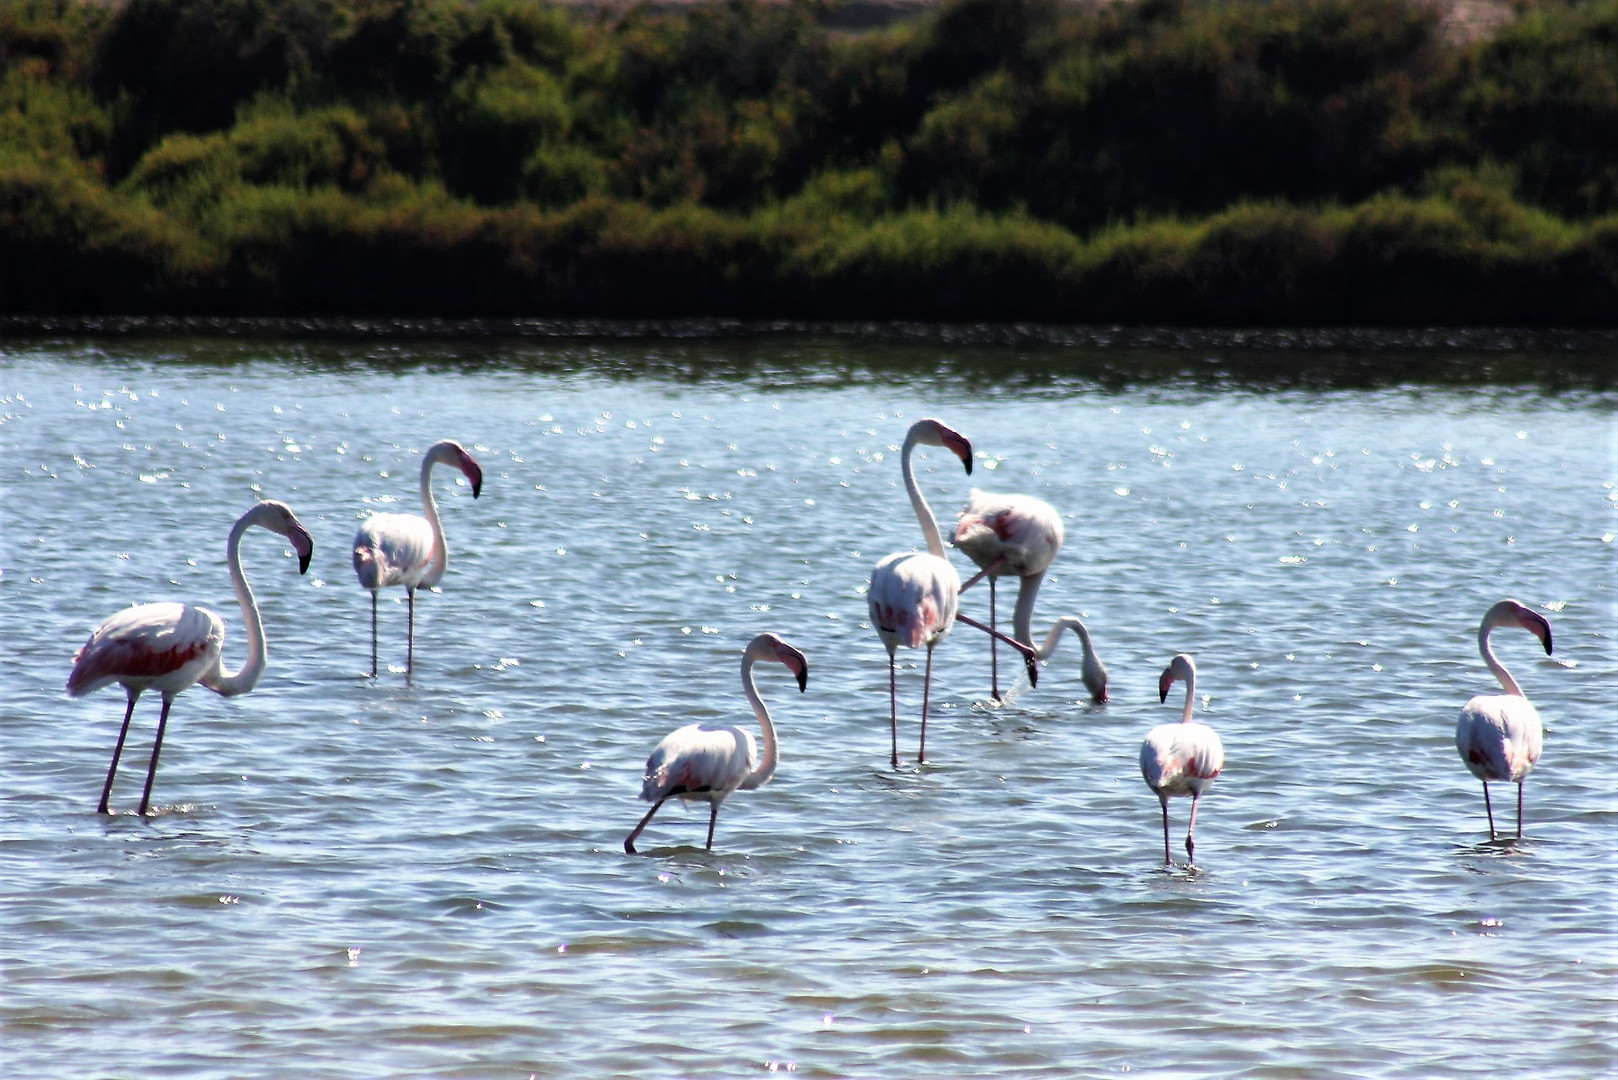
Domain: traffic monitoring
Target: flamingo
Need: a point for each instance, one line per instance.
(1093, 673)
(706, 762)
(913, 596)
(1183, 758)
(408, 549)
(1499, 736)
(167, 647)
(1005, 535)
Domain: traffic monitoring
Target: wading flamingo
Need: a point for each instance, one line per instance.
(1499, 736)
(408, 549)
(913, 595)
(167, 647)
(706, 762)
(1183, 758)
(1009, 535)
(1094, 672)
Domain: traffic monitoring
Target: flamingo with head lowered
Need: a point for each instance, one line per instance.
(409, 549)
(167, 647)
(1183, 758)
(913, 596)
(1499, 736)
(706, 762)
(1009, 535)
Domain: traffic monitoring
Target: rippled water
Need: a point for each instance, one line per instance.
(351, 878)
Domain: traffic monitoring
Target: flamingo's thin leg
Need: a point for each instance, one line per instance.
(117, 752)
(1168, 859)
(893, 706)
(926, 694)
(713, 817)
(629, 841)
(1190, 844)
(157, 747)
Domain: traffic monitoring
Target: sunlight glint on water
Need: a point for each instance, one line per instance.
(356, 878)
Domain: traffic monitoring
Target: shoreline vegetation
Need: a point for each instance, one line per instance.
(1285, 163)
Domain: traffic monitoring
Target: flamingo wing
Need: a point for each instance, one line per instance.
(697, 759)
(912, 598)
(1179, 759)
(1499, 736)
(1024, 530)
(149, 644)
(392, 549)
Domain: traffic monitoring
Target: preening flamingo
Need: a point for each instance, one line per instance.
(1183, 758)
(913, 596)
(408, 549)
(706, 762)
(167, 647)
(1009, 535)
(1499, 736)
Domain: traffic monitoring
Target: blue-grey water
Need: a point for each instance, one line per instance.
(348, 878)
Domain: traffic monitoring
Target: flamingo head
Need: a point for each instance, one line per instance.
(1511, 612)
(936, 433)
(771, 647)
(1095, 678)
(1180, 667)
(279, 518)
(450, 452)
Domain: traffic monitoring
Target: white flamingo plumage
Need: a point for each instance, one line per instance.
(913, 596)
(1499, 736)
(706, 762)
(409, 549)
(1183, 758)
(166, 647)
(1009, 535)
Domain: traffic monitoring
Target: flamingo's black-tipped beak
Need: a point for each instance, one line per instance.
(803, 680)
(303, 544)
(475, 474)
(1032, 663)
(957, 444)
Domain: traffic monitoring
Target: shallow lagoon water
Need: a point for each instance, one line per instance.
(351, 878)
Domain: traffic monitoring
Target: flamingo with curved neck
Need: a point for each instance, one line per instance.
(1500, 736)
(1183, 758)
(166, 647)
(1009, 535)
(409, 549)
(1093, 672)
(706, 762)
(913, 596)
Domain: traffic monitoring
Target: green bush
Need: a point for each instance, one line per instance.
(1159, 160)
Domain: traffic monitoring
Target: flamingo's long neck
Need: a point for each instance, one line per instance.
(1052, 639)
(1496, 666)
(429, 507)
(772, 752)
(924, 513)
(1190, 695)
(1022, 620)
(231, 683)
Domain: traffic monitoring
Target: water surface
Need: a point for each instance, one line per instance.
(351, 878)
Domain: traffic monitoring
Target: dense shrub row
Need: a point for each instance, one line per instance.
(1288, 161)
